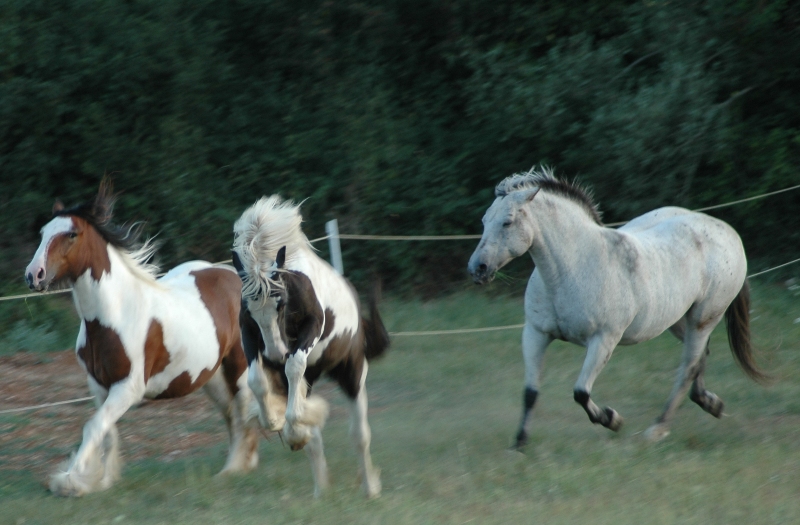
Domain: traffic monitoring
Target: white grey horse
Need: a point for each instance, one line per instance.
(598, 287)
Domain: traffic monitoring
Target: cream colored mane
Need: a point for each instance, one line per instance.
(262, 230)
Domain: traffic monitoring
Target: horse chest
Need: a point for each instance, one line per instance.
(103, 354)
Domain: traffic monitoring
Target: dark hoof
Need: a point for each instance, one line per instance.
(521, 441)
(614, 419)
(715, 406)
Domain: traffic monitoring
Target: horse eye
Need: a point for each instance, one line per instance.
(72, 235)
(506, 224)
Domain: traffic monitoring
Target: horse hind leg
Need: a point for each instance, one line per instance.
(708, 401)
(235, 409)
(695, 345)
(319, 466)
(597, 355)
(361, 435)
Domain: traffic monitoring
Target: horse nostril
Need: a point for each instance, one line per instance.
(40, 275)
(29, 278)
(482, 268)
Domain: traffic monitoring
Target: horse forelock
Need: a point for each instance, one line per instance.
(545, 179)
(263, 229)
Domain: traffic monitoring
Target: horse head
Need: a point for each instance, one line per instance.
(507, 234)
(71, 243)
(265, 296)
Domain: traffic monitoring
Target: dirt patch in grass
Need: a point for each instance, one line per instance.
(166, 430)
(38, 440)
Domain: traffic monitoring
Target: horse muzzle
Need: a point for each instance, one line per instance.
(481, 273)
(37, 279)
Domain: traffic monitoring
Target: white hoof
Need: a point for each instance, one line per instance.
(656, 433)
(372, 484)
(68, 481)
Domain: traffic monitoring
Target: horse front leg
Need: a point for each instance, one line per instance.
(111, 461)
(86, 471)
(305, 417)
(271, 403)
(598, 352)
(534, 344)
(302, 411)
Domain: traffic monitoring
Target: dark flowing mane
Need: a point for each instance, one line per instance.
(546, 180)
(98, 213)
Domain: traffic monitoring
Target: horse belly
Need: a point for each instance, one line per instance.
(184, 347)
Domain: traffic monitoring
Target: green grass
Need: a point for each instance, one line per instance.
(443, 413)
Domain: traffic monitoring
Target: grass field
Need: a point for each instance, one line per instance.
(443, 412)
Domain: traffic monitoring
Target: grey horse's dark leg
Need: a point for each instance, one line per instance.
(598, 352)
(528, 400)
(534, 344)
(708, 401)
(608, 417)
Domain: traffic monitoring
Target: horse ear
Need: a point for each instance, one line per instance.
(280, 259)
(237, 262)
(58, 206)
(533, 194)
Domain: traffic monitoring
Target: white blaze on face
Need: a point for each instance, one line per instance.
(266, 317)
(49, 232)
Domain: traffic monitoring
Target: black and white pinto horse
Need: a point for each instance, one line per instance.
(598, 287)
(142, 337)
(301, 319)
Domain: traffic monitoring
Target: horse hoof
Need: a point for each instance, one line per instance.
(715, 406)
(276, 425)
(614, 419)
(656, 433)
(372, 484)
(521, 441)
(62, 485)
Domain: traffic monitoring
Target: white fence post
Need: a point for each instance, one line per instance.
(332, 229)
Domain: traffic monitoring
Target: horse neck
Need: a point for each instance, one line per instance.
(565, 237)
(104, 285)
(324, 278)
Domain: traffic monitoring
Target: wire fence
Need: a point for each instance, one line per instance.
(356, 237)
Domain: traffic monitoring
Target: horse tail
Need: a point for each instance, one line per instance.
(376, 337)
(737, 317)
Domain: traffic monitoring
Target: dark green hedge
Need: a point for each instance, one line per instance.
(396, 117)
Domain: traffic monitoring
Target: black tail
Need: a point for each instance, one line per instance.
(737, 317)
(376, 340)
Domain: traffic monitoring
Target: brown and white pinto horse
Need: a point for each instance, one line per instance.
(142, 337)
(300, 319)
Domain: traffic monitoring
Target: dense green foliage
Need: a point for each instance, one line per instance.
(396, 117)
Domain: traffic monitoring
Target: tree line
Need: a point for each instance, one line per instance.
(395, 117)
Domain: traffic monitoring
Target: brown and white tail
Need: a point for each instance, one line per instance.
(737, 317)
